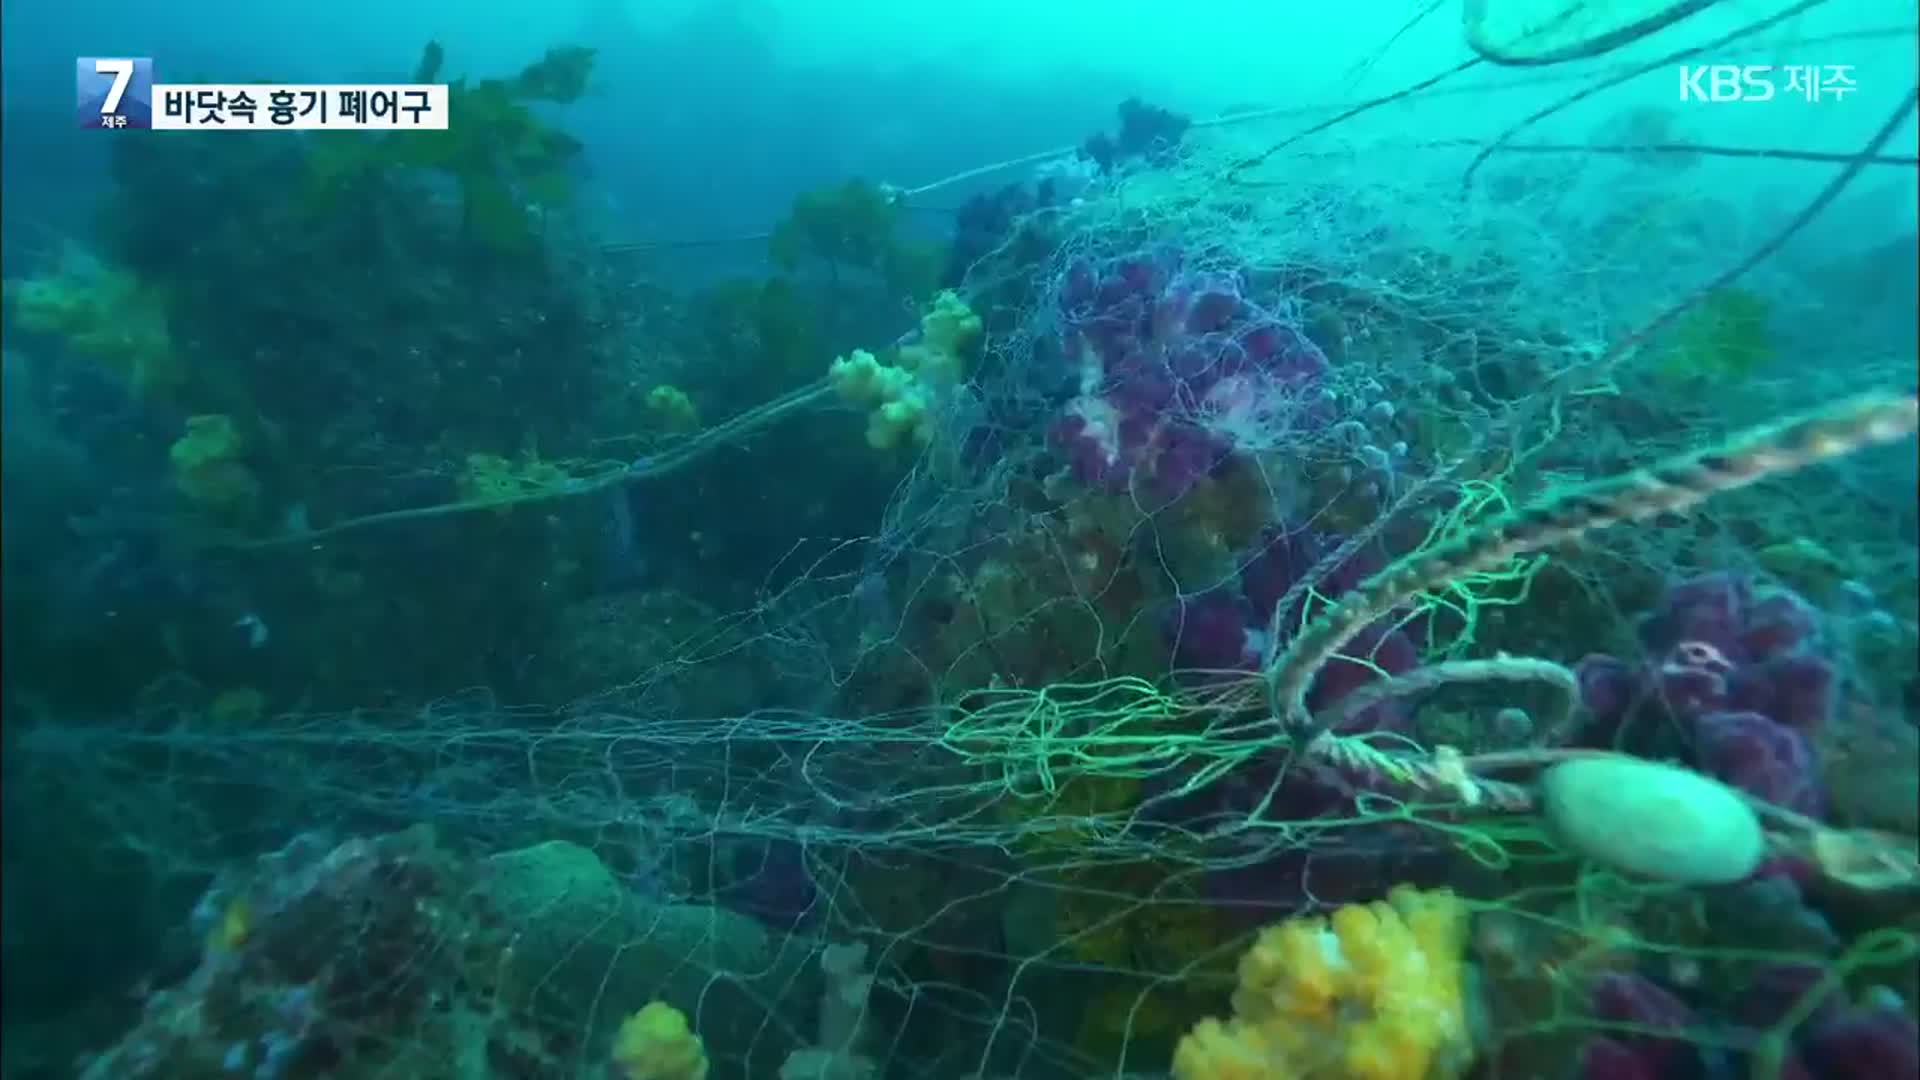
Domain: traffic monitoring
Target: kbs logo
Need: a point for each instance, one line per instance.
(1726, 82)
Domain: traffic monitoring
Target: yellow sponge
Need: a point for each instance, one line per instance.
(208, 466)
(657, 1044)
(673, 410)
(1376, 992)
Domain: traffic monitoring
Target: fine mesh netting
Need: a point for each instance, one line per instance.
(1006, 788)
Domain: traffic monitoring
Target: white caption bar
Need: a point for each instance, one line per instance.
(299, 107)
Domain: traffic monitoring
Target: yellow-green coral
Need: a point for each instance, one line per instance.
(105, 314)
(490, 478)
(947, 331)
(1376, 992)
(657, 1043)
(1723, 338)
(1805, 565)
(237, 708)
(1100, 921)
(209, 466)
(1070, 815)
(903, 394)
(899, 404)
(1161, 943)
(233, 928)
(672, 410)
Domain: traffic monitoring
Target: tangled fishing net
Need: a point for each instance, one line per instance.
(1189, 710)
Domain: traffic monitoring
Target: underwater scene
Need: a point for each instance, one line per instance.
(838, 540)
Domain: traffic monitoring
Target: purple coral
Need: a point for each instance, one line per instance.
(1755, 650)
(1228, 629)
(1610, 1059)
(1736, 669)
(1774, 991)
(1286, 559)
(771, 881)
(1214, 631)
(1287, 555)
(1651, 1038)
(1177, 371)
(1663, 1019)
(1838, 1042)
(1868, 1042)
(1760, 757)
(1609, 686)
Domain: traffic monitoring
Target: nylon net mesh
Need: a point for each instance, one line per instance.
(995, 791)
